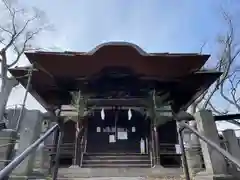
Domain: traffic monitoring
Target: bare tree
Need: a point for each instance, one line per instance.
(19, 27)
(227, 86)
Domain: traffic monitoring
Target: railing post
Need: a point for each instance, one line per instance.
(214, 146)
(57, 156)
(233, 147)
(183, 152)
(232, 141)
(214, 162)
(194, 151)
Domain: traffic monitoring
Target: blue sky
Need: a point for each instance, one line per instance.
(155, 25)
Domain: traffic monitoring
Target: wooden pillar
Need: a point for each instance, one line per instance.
(156, 145)
(155, 139)
(54, 149)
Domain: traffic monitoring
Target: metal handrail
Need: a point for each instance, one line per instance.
(151, 159)
(152, 151)
(85, 137)
(76, 145)
(81, 148)
(15, 162)
(212, 144)
(151, 146)
(83, 145)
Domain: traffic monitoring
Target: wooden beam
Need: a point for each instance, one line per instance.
(129, 102)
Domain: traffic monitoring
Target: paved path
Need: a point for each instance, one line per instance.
(115, 178)
(125, 178)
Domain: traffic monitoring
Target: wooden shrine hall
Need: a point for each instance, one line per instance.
(127, 99)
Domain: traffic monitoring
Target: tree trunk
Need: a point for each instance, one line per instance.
(4, 95)
(3, 69)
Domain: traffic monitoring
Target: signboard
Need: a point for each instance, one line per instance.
(122, 135)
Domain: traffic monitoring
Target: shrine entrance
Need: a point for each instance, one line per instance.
(117, 133)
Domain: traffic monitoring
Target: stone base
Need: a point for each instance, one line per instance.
(207, 176)
(26, 178)
(7, 136)
(74, 166)
(35, 175)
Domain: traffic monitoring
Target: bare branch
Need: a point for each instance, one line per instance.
(230, 56)
(229, 100)
(15, 36)
(2, 41)
(236, 54)
(215, 110)
(226, 64)
(234, 85)
(199, 100)
(12, 13)
(29, 36)
(203, 45)
(6, 30)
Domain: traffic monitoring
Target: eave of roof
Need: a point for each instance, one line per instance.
(162, 67)
(187, 90)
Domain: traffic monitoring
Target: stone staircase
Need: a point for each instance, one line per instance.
(116, 160)
(124, 166)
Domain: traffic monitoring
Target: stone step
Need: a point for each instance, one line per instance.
(119, 157)
(117, 161)
(156, 172)
(116, 154)
(110, 165)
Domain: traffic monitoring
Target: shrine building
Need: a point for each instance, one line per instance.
(117, 101)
